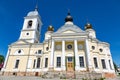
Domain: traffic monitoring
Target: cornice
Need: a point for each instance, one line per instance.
(69, 34)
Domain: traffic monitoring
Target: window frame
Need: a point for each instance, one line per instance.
(17, 62)
(34, 63)
(58, 62)
(103, 64)
(95, 62)
(38, 62)
(46, 62)
(81, 62)
(39, 51)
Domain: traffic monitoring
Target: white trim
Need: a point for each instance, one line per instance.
(69, 23)
(63, 55)
(88, 59)
(16, 52)
(52, 55)
(76, 55)
(69, 55)
(29, 63)
(6, 60)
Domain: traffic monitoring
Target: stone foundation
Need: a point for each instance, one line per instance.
(21, 73)
(63, 74)
(109, 75)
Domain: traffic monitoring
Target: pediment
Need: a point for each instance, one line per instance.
(69, 28)
(20, 42)
(69, 31)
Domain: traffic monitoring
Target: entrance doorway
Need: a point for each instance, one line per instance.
(70, 64)
(36, 73)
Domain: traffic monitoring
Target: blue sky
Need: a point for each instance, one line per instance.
(104, 15)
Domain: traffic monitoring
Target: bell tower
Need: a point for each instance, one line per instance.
(31, 27)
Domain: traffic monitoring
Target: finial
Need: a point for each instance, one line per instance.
(88, 25)
(36, 7)
(68, 11)
(87, 21)
(50, 28)
(68, 17)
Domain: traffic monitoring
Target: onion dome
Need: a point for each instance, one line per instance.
(50, 28)
(69, 18)
(88, 26)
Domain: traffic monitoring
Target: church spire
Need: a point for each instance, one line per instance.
(36, 7)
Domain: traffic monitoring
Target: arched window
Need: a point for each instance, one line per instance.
(38, 27)
(30, 24)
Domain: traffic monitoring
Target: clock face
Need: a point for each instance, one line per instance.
(58, 47)
(80, 46)
(69, 46)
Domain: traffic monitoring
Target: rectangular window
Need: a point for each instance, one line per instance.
(81, 61)
(46, 62)
(17, 63)
(110, 64)
(58, 61)
(70, 59)
(39, 51)
(38, 63)
(34, 63)
(95, 62)
(103, 64)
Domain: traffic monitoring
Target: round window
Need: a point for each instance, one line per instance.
(93, 47)
(27, 33)
(47, 48)
(80, 46)
(58, 47)
(19, 51)
(69, 46)
(101, 50)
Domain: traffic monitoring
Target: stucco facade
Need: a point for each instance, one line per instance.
(68, 49)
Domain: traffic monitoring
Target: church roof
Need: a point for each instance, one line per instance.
(71, 27)
(33, 13)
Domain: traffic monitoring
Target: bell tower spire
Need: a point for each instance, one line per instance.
(36, 7)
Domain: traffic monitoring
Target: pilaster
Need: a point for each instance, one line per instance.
(106, 59)
(6, 60)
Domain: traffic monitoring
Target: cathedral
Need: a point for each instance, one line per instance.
(69, 49)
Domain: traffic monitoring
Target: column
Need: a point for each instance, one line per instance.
(76, 55)
(52, 55)
(63, 55)
(87, 50)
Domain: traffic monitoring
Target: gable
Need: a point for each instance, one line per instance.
(69, 28)
(69, 31)
(20, 42)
